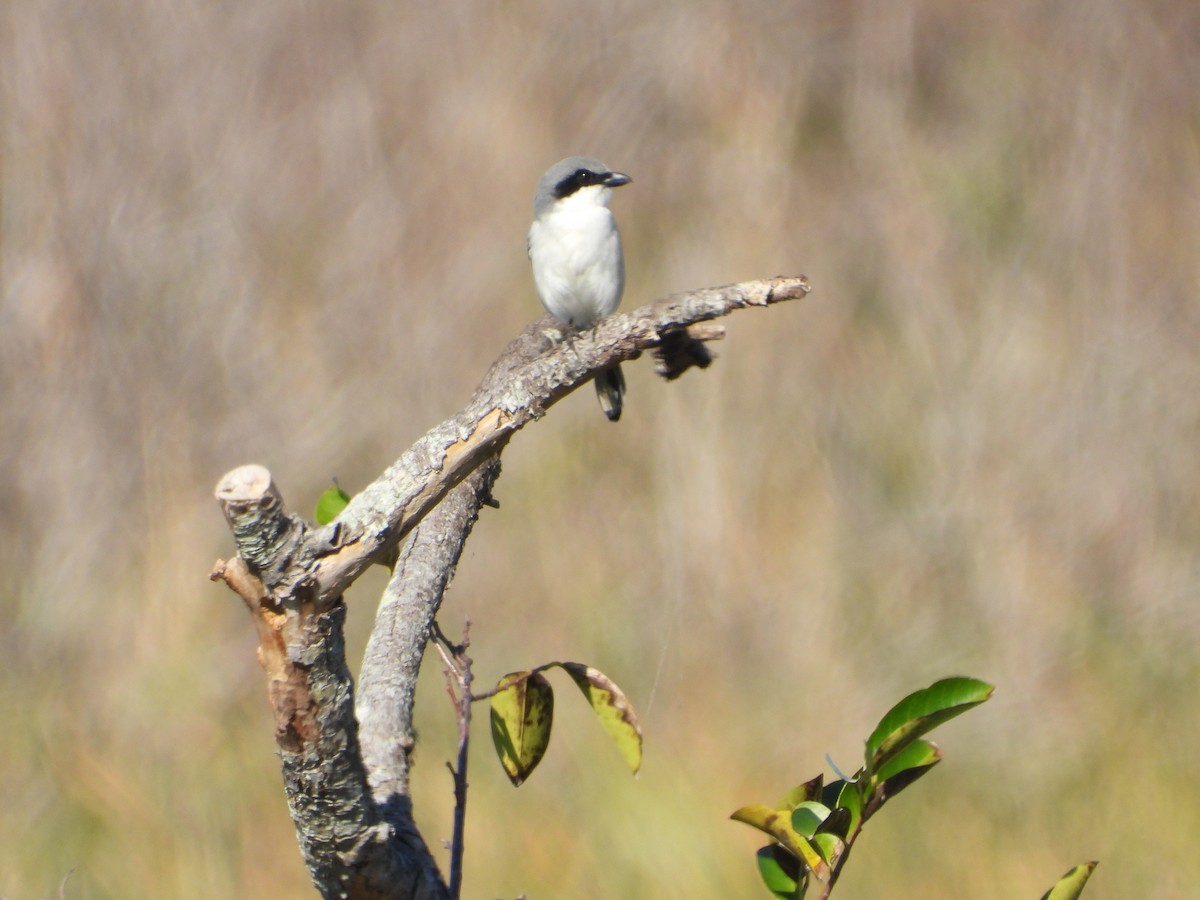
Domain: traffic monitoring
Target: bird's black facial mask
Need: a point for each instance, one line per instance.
(580, 178)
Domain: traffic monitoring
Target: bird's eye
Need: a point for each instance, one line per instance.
(580, 178)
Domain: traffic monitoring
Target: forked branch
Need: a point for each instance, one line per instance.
(350, 801)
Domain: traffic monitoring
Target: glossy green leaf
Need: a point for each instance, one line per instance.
(920, 712)
(613, 709)
(907, 766)
(830, 846)
(522, 714)
(1070, 886)
(919, 754)
(330, 504)
(850, 799)
(780, 872)
(808, 816)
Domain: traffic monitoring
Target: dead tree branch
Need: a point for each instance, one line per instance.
(346, 770)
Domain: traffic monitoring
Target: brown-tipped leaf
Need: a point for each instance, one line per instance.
(1070, 886)
(612, 708)
(810, 790)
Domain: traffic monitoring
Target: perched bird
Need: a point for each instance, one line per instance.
(575, 249)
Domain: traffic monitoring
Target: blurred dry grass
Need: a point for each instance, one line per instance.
(293, 233)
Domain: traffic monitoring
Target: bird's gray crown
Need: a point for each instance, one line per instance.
(568, 175)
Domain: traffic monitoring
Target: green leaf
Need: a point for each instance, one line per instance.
(808, 816)
(330, 504)
(919, 754)
(907, 766)
(1070, 886)
(921, 712)
(613, 709)
(780, 872)
(522, 714)
(830, 846)
(850, 799)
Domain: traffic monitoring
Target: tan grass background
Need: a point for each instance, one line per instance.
(293, 233)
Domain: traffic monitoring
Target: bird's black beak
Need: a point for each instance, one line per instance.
(616, 179)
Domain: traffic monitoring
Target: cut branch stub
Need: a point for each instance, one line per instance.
(349, 848)
(265, 534)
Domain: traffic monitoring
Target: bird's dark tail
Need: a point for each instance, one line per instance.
(610, 388)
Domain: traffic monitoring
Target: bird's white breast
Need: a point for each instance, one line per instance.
(578, 268)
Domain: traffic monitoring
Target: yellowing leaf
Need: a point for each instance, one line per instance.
(778, 824)
(613, 709)
(1070, 886)
(522, 714)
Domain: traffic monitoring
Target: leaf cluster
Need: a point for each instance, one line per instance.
(814, 825)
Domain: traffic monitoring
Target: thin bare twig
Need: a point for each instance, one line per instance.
(458, 668)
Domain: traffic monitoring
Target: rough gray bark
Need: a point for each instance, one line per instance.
(353, 847)
(388, 678)
(346, 770)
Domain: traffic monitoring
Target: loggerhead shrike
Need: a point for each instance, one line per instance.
(575, 249)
